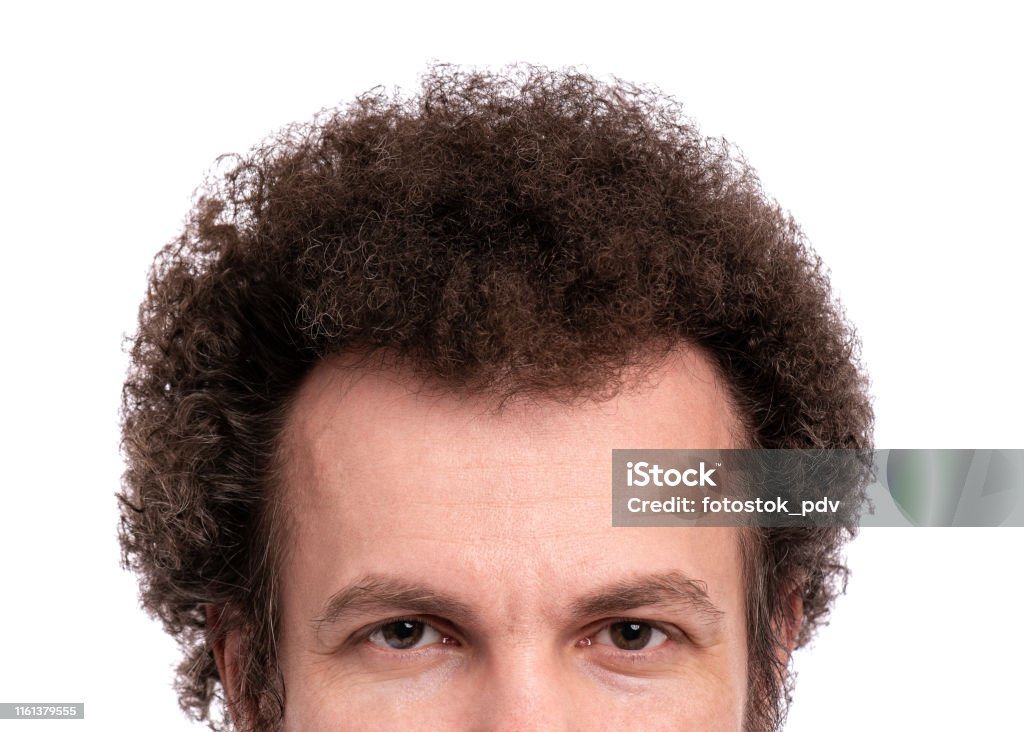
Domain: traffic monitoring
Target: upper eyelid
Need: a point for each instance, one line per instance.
(671, 631)
(441, 627)
(446, 628)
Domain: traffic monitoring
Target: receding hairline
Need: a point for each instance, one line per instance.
(344, 369)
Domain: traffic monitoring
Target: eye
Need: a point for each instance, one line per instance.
(403, 635)
(631, 635)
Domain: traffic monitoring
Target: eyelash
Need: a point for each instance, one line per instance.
(367, 633)
(672, 635)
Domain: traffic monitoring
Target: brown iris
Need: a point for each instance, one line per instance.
(401, 634)
(630, 635)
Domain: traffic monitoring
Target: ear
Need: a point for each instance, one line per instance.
(225, 654)
(788, 630)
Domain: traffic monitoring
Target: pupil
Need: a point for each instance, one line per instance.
(402, 633)
(630, 635)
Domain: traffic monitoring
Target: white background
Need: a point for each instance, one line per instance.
(891, 131)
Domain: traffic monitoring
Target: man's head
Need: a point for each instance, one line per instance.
(376, 386)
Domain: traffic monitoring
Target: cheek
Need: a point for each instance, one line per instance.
(327, 699)
(405, 709)
(460, 693)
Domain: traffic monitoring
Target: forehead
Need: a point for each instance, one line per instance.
(383, 467)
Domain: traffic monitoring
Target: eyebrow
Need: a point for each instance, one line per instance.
(379, 593)
(659, 589)
(376, 593)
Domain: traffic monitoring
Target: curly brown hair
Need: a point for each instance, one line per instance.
(518, 231)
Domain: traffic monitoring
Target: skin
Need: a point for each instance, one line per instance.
(486, 538)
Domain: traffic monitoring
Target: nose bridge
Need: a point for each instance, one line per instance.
(525, 689)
